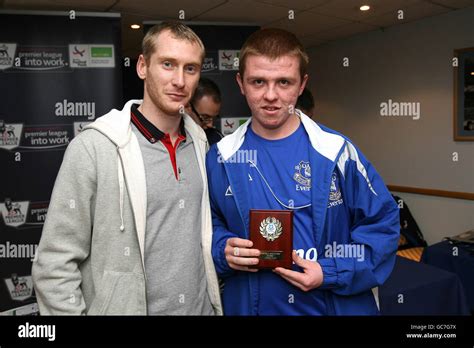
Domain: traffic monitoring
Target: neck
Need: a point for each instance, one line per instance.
(168, 124)
(291, 125)
(196, 119)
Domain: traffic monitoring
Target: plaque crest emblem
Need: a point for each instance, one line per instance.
(271, 228)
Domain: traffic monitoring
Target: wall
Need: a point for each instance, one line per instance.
(411, 62)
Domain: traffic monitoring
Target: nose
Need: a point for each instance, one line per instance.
(178, 78)
(270, 93)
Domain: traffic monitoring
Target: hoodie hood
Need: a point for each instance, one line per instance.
(116, 125)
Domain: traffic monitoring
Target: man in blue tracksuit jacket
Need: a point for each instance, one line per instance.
(346, 224)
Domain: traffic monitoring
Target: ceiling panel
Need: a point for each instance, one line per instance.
(247, 11)
(345, 31)
(295, 4)
(307, 23)
(58, 5)
(410, 13)
(169, 9)
(452, 4)
(349, 9)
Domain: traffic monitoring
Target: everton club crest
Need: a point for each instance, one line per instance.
(303, 176)
(270, 228)
(334, 193)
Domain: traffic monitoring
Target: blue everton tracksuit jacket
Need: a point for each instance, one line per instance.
(368, 217)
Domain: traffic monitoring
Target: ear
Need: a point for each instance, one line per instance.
(240, 82)
(141, 67)
(303, 83)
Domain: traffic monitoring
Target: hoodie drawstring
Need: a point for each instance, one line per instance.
(121, 181)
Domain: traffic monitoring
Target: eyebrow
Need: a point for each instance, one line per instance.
(256, 77)
(174, 60)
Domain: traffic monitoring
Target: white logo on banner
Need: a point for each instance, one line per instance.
(78, 56)
(228, 59)
(79, 127)
(91, 56)
(14, 213)
(41, 137)
(10, 134)
(209, 65)
(38, 213)
(19, 288)
(7, 55)
(229, 125)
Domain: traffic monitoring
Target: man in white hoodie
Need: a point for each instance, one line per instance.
(129, 226)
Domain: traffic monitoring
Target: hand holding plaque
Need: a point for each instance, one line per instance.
(240, 255)
(271, 231)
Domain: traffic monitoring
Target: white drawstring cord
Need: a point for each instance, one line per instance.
(266, 183)
(120, 178)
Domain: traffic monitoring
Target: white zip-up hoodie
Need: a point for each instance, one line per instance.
(90, 259)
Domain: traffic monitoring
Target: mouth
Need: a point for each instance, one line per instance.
(271, 109)
(176, 96)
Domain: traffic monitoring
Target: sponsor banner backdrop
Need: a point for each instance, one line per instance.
(57, 74)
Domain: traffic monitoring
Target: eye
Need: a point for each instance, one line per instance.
(284, 82)
(167, 64)
(258, 82)
(191, 69)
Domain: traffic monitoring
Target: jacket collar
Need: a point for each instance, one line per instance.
(325, 143)
(148, 129)
(116, 125)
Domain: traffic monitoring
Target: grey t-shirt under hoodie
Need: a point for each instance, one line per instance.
(174, 265)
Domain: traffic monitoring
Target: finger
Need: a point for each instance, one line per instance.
(298, 285)
(299, 260)
(293, 275)
(242, 261)
(240, 251)
(243, 268)
(248, 252)
(239, 242)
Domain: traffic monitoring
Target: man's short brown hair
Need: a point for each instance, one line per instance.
(177, 29)
(273, 43)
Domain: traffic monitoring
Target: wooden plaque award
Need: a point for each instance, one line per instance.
(271, 231)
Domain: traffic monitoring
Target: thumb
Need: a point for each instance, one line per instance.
(298, 260)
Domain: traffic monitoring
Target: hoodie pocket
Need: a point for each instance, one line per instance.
(120, 293)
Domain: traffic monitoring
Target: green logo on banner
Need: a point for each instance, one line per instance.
(101, 52)
(241, 122)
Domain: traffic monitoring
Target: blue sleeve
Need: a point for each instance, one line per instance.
(217, 180)
(374, 225)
